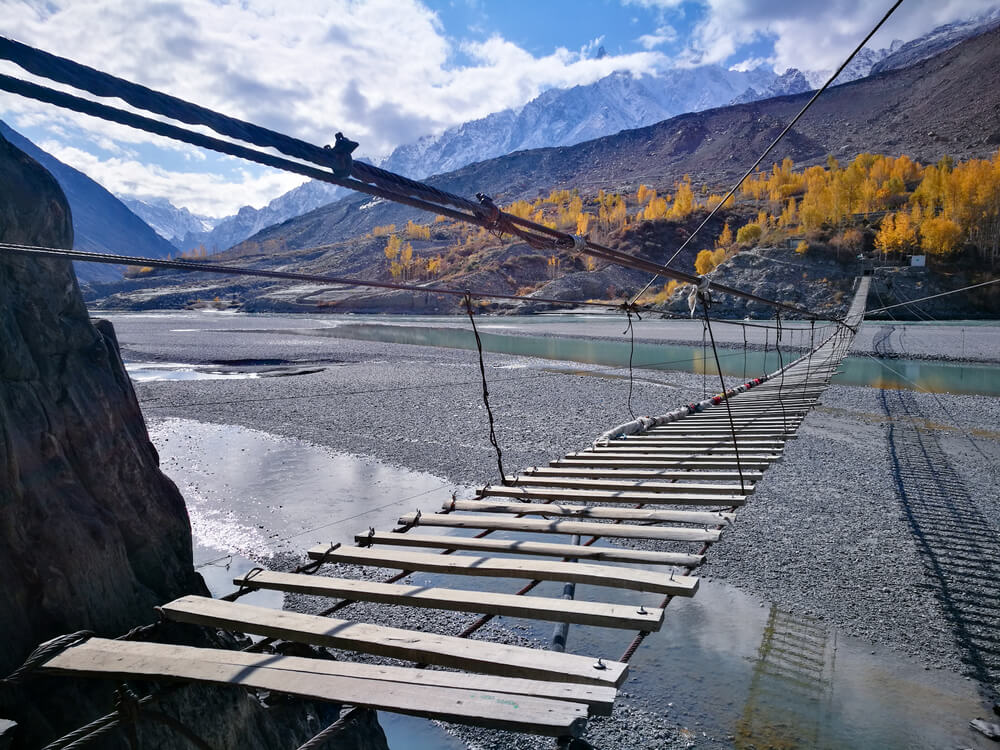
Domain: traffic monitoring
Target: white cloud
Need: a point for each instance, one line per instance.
(202, 192)
(382, 71)
(813, 36)
(662, 35)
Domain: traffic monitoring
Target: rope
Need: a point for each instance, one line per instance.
(486, 393)
(775, 142)
(723, 397)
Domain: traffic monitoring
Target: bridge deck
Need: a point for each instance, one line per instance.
(691, 457)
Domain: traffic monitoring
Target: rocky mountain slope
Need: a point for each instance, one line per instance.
(101, 222)
(940, 39)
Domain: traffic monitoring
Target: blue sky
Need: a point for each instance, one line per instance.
(387, 72)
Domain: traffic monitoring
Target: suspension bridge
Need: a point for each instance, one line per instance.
(677, 480)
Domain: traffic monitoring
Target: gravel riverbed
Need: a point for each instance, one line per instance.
(846, 529)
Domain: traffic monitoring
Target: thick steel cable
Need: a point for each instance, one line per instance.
(197, 266)
(775, 142)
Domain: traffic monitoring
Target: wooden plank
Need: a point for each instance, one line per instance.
(540, 549)
(743, 443)
(395, 643)
(703, 518)
(459, 600)
(752, 461)
(599, 698)
(670, 488)
(546, 526)
(637, 447)
(521, 713)
(506, 567)
(618, 461)
(680, 475)
(618, 497)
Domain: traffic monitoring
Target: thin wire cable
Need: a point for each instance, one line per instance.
(932, 296)
(774, 143)
(745, 352)
(631, 352)
(725, 399)
(781, 370)
(486, 393)
(704, 362)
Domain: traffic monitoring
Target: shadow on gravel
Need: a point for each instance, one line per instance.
(958, 546)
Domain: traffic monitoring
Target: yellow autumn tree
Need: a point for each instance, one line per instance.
(725, 238)
(939, 236)
(896, 234)
(683, 203)
(748, 234)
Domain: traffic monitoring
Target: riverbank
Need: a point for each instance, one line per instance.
(837, 531)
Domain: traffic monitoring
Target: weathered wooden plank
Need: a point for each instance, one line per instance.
(637, 447)
(680, 475)
(599, 698)
(619, 461)
(704, 518)
(607, 496)
(743, 443)
(546, 526)
(396, 643)
(574, 611)
(522, 713)
(539, 549)
(670, 488)
(507, 567)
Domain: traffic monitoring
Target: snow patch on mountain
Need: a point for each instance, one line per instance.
(166, 219)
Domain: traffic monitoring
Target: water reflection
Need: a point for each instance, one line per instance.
(939, 377)
(791, 685)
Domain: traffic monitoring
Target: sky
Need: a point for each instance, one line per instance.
(386, 72)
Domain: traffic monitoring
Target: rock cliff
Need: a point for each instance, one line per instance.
(92, 534)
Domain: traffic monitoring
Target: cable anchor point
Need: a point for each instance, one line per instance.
(340, 161)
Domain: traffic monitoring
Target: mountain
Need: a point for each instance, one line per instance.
(166, 219)
(937, 41)
(945, 105)
(792, 81)
(557, 117)
(248, 220)
(101, 222)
